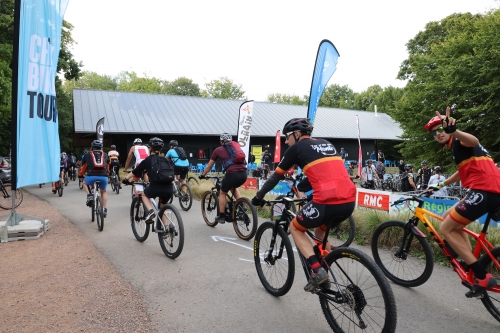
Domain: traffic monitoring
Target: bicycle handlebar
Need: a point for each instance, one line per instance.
(426, 193)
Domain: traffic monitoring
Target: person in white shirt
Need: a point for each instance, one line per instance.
(436, 179)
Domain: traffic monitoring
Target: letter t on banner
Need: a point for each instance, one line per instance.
(277, 150)
(245, 126)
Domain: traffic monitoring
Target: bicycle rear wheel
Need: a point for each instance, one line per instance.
(137, 220)
(60, 189)
(491, 300)
(185, 197)
(6, 202)
(172, 240)
(358, 297)
(343, 234)
(99, 210)
(80, 183)
(398, 253)
(112, 183)
(66, 179)
(245, 219)
(209, 208)
(117, 185)
(274, 259)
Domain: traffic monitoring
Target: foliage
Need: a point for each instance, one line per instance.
(452, 62)
(182, 86)
(90, 80)
(365, 100)
(223, 88)
(130, 81)
(336, 96)
(286, 99)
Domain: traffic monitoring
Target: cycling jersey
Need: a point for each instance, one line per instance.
(175, 157)
(475, 167)
(140, 153)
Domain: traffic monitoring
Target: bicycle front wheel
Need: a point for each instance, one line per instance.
(274, 259)
(6, 202)
(80, 183)
(185, 197)
(172, 240)
(209, 208)
(112, 183)
(343, 234)
(358, 297)
(245, 219)
(99, 211)
(398, 253)
(490, 299)
(137, 220)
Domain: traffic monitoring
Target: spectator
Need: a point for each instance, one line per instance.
(373, 156)
(266, 158)
(401, 167)
(251, 159)
(350, 170)
(342, 154)
(423, 175)
(266, 170)
(407, 183)
(257, 173)
(381, 156)
(369, 173)
(380, 170)
(436, 179)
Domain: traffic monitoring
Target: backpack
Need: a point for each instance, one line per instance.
(72, 159)
(181, 153)
(162, 170)
(97, 160)
(405, 183)
(236, 154)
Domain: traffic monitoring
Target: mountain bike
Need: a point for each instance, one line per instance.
(97, 206)
(184, 193)
(357, 295)
(115, 184)
(6, 199)
(240, 212)
(403, 253)
(341, 235)
(72, 173)
(66, 178)
(168, 223)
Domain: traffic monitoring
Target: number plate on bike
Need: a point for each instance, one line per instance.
(139, 188)
(278, 209)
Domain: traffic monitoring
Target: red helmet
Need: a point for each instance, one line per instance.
(433, 122)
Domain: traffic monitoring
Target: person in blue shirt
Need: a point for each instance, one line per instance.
(181, 167)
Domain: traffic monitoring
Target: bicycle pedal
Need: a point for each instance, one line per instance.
(467, 284)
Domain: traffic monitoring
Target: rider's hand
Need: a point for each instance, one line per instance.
(440, 185)
(357, 177)
(257, 202)
(201, 177)
(448, 123)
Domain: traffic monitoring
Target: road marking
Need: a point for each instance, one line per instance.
(230, 240)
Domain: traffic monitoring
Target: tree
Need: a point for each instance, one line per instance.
(364, 100)
(223, 88)
(90, 80)
(336, 96)
(387, 99)
(286, 99)
(182, 86)
(452, 62)
(130, 81)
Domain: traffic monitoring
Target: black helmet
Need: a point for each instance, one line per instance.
(424, 162)
(173, 143)
(156, 143)
(437, 168)
(85, 151)
(113, 147)
(298, 124)
(408, 166)
(352, 163)
(96, 144)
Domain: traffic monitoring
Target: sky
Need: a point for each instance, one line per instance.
(267, 46)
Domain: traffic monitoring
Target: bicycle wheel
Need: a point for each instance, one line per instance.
(117, 185)
(137, 220)
(343, 234)
(6, 203)
(359, 297)
(172, 240)
(185, 197)
(80, 183)
(60, 189)
(99, 212)
(193, 181)
(491, 300)
(209, 208)
(93, 210)
(276, 209)
(399, 253)
(66, 179)
(274, 259)
(245, 218)
(112, 183)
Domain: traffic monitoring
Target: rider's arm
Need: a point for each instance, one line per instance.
(207, 169)
(466, 139)
(129, 157)
(412, 184)
(452, 179)
(286, 163)
(143, 166)
(81, 173)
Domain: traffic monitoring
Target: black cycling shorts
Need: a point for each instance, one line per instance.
(181, 171)
(314, 215)
(475, 204)
(164, 191)
(233, 180)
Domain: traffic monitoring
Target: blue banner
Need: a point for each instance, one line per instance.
(326, 64)
(38, 150)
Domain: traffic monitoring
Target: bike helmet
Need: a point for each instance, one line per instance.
(433, 122)
(424, 162)
(437, 168)
(156, 143)
(369, 161)
(113, 147)
(85, 151)
(298, 124)
(137, 141)
(224, 137)
(96, 144)
(173, 143)
(408, 166)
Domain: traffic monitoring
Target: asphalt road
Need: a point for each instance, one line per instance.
(213, 285)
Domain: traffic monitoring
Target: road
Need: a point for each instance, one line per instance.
(213, 286)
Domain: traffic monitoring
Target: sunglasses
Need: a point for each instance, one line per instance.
(287, 135)
(440, 129)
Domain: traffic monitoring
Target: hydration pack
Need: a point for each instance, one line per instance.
(97, 161)
(162, 170)
(236, 154)
(181, 153)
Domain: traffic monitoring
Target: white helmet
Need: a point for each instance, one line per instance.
(137, 141)
(224, 137)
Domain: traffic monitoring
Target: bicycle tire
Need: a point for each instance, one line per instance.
(404, 269)
(6, 203)
(245, 218)
(93, 209)
(209, 208)
(66, 179)
(492, 303)
(99, 210)
(60, 189)
(185, 197)
(192, 180)
(137, 220)
(279, 197)
(80, 183)
(117, 185)
(365, 300)
(173, 237)
(275, 274)
(112, 183)
(343, 234)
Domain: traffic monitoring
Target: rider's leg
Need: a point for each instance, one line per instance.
(222, 202)
(236, 193)
(458, 239)
(320, 233)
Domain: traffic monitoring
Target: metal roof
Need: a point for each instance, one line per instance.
(127, 112)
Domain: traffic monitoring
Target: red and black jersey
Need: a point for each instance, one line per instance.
(324, 168)
(475, 167)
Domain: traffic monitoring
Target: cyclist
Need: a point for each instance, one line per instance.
(236, 174)
(96, 164)
(63, 168)
(140, 152)
(181, 167)
(155, 189)
(334, 192)
(114, 162)
(477, 172)
(407, 183)
(72, 163)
